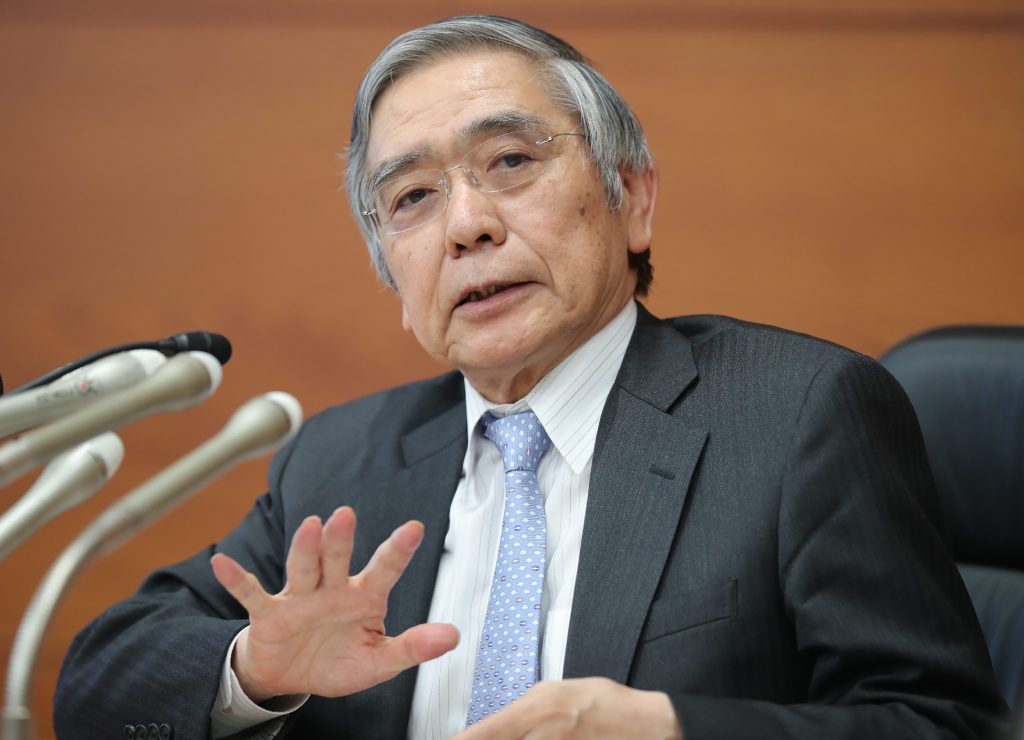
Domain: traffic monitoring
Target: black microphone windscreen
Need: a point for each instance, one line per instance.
(204, 341)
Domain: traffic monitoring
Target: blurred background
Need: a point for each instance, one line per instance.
(848, 168)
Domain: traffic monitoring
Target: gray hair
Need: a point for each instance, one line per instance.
(612, 131)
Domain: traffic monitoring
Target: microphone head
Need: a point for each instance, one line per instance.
(290, 405)
(108, 449)
(264, 423)
(198, 341)
(73, 476)
(212, 366)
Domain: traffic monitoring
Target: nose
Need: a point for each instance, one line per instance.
(472, 217)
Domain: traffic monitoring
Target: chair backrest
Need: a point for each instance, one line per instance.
(967, 386)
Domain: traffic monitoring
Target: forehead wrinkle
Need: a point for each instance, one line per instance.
(502, 121)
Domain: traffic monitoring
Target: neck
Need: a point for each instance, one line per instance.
(502, 388)
(504, 385)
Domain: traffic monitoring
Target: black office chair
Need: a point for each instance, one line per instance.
(967, 385)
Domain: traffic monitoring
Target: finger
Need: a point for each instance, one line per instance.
(303, 564)
(391, 558)
(505, 725)
(540, 713)
(414, 646)
(240, 583)
(336, 547)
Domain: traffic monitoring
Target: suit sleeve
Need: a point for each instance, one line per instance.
(157, 657)
(878, 610)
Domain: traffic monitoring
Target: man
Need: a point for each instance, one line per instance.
(708, 529)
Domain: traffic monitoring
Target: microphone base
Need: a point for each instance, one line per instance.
(17, 723)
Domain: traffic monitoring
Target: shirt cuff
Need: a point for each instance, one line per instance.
(233, 711)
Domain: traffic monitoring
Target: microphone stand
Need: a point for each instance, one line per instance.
(257, 427)
(113, 527)
(17, 717)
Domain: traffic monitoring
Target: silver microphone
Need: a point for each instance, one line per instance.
(76, 389)
(258, 426)
(67, 481)
(182, 381)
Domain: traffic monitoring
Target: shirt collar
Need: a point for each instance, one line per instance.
(568, 400)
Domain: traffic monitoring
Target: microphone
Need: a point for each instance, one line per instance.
(197, 341)
(67, 481)
(76, 389)
(258, 426)
(192, 341)
(182, 381)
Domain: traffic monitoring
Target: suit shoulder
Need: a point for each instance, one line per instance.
(710, 332)
(409, 404)
(773, 361)
(342, 431)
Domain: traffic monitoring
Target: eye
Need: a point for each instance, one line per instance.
(510, 161)
(413, 198)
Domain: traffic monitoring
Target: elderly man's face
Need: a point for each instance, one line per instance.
(554, 249)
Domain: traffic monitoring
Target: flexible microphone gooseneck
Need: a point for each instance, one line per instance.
(258, 426)
(191, 341)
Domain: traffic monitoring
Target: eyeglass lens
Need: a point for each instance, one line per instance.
(506, 161)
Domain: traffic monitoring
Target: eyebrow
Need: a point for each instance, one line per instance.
(394, 166)
(501, 122)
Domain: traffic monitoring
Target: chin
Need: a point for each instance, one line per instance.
(489, 357)
(488, 363)
(510, 360)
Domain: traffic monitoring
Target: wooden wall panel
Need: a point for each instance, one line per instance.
(854, 170)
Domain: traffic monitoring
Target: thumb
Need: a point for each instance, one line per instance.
(416, 645)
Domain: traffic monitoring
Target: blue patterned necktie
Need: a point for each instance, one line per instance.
(509, 656)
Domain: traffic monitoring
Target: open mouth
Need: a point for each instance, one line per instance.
(484, 293)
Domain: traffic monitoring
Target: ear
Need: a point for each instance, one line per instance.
(406, 324)
(639, 192)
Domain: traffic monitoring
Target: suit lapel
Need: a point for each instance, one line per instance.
(422, 490)
(643, 461)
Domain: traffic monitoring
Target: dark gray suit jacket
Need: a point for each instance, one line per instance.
(760, 543)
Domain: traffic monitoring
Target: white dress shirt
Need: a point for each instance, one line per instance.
(568, 401)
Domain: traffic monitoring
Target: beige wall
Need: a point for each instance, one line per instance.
(849, 169)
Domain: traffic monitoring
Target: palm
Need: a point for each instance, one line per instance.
(324, 632)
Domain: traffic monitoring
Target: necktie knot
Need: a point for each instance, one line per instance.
(520, 439)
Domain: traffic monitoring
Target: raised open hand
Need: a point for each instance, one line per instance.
(323, 633)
